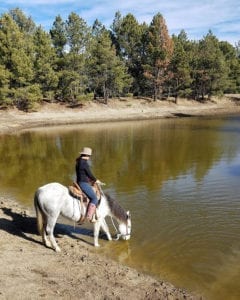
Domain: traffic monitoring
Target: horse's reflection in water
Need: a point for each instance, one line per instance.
(54, 199)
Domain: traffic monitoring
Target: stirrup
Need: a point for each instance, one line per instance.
(93, 220)
(81, 220)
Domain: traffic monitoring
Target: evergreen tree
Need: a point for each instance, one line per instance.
(77, 33)
(59, 36)
(4, 85)
(180, 67)
(107, 72)
(232, 59)
(73, 78)
(158, 55)
(44, 63)
(132, 57)
(25, 24)
(210, 70)
(127, 36)
(16, 59)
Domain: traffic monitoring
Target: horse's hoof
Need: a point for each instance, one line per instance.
(58, 249)
(96, 245)
(48, 244)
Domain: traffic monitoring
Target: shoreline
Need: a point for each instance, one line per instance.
(80, 270)
(52, 114)
(29, 270)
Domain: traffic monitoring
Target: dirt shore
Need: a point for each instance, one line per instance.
(49, 114)
(31, 271)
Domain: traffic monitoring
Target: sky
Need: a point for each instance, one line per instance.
(197, 17)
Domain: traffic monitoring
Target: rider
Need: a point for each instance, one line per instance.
(85, 178)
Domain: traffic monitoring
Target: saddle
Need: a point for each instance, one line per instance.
(76, 192)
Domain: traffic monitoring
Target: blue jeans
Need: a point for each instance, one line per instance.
(88, 190)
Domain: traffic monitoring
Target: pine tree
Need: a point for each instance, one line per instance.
(232, 59)
(127, 36)
(210, 70)
(16, 58)
(77, 33)
(180, 83)
(159, 51)
(59, 36)
(25, 24)
(45, 63)
(4, 85)
(73, 78)
(107, 72)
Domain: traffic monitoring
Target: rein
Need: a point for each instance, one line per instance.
(118, 234)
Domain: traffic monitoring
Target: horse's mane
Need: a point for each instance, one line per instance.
(116, 209)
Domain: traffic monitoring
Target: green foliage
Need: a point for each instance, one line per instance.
(159, 51)
(14, 49)
(74, 63)
(210, 70)
(44, 62)
(128, 38)
(25, 24)
(26, 97)
(107, 72)
(181, 80)
(85, 97)
(59, 36)
(4, 85)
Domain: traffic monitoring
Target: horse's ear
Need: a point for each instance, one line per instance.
(128, 214)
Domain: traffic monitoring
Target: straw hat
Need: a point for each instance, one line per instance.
(86, 151)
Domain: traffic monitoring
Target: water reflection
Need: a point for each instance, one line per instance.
(125, 155)
(179, 178)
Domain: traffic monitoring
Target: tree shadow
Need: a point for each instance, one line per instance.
(22, 225)
(182, 115)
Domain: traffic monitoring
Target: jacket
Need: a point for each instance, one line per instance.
(83, 171)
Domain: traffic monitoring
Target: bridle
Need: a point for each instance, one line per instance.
(119, 234)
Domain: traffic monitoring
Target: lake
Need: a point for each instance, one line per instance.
(180, 178)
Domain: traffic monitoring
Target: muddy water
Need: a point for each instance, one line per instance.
(179, 178)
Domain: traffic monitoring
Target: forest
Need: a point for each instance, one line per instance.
(75, 62)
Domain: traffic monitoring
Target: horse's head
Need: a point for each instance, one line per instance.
(125, 228)
(123, 218)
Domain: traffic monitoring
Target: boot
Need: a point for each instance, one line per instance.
(91, 213)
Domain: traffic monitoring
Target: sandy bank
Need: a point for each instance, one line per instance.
(48, 114)
(31, 271)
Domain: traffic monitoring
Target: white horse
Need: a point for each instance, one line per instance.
(54, 199)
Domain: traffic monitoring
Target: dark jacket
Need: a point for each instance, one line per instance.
(83, 171)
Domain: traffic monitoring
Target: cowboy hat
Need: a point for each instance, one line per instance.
(86, 151)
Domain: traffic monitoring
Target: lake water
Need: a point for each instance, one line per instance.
(180, 178)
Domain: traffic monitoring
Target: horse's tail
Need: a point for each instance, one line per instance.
(39, 213)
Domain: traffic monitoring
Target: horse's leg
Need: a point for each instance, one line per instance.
(96, 229)
(106, 229)
(50, 229)
(45, 239)
(42, 229)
